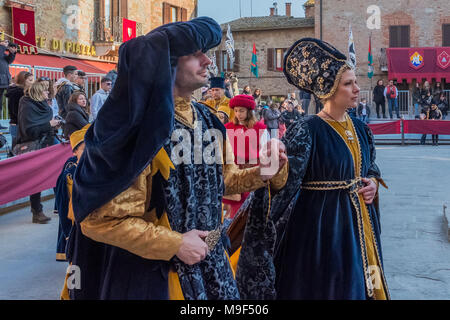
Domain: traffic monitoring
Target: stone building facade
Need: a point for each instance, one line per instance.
(428, 24)
(424, 18)
(272, 36)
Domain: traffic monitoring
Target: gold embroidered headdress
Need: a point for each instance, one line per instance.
(315, 66)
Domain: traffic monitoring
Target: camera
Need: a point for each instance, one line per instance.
(60, 119)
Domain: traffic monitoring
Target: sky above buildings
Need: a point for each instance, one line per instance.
(227, 10)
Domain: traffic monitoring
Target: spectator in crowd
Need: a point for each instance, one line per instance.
(23, 82)
(257, 96)
(271, 119)
(99, 98)
(299, 108)
(7, 56)
(379, 99)
(35, 121)
(442, 104)
(363, 111)
(305, 98)
(112, 75)
(391, 94)
(428, 100)
(426, 93)
(234, 84)
(293, 99)
(228, 89)
(437, 92)
(80, 82)
(51, 95)
(283, 106)
(77, 113)
(223, 113)
(247, 90)
(246, 155)
(65, 88)
(433, 113)
(291, 115)
(417, 100)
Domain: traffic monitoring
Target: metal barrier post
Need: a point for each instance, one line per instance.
(402, 125)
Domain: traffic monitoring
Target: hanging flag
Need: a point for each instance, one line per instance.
(128, 29)
(351, 49)
(24, 31)
(370, 58)
(254, 65)
(229, 43)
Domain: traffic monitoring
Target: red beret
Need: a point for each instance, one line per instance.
(244, 101)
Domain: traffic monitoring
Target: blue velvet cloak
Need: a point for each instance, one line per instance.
(135, 122)
(62, 198)
(309, 248)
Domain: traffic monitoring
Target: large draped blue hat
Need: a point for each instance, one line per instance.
(315, 66)
(137, 118)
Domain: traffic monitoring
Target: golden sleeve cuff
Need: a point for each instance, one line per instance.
(125, 223)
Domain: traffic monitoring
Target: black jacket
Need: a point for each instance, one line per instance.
(63, 94)
(360, 108)
(14, 93)
(417, 95)
(34, 121)
(378, 94)
(434, 114)
(443, 106)
(76, 119)
(5, 61)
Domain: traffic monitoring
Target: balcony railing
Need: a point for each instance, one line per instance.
(113, 32)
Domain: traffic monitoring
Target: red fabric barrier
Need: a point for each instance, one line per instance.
(386, 127)
(427, 126)
(32, 172)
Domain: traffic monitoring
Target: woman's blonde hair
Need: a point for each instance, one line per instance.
(36, 91)
(249, 121)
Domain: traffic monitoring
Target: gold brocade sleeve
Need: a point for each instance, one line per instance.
(125, 223)
(246, 180)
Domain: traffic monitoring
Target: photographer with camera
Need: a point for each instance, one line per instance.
(7, 55)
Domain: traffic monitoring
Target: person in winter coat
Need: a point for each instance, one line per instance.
(378, 97)
(437, 92)
(363, 111)
(65, 89)
(391, 94)
(417, 100)
(112, 75)
(77, 114)
(23, 82)
(442, 104)
(7, 56)
(35, 122)
(271, 117)
(291, 115)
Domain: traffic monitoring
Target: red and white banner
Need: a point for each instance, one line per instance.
(24, 31)
(32, 172)
(129, 29)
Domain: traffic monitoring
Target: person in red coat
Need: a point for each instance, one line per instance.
(245, 134)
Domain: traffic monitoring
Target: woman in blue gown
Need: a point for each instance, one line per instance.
(319, 237)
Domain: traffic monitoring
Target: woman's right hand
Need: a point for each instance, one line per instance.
(54, 123)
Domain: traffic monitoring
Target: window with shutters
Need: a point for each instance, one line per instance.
(173, 13)
(224, 63)
(446, 35)
(399, 37)
(108, 18)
